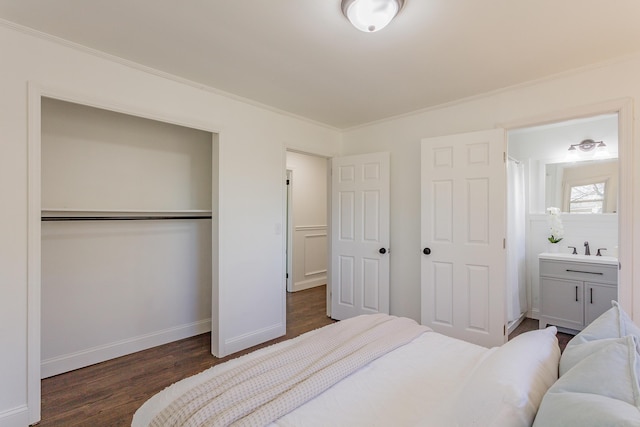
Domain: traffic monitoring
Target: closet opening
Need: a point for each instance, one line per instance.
(123, 234)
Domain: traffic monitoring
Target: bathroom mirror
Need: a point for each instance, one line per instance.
(589, 186)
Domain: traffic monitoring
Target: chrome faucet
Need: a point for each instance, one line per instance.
(586, 248)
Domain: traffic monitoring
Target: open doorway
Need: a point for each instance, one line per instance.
(550, 166)
(307, 222)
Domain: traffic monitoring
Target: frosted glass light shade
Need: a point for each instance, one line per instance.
(601, 151)
(371, 15)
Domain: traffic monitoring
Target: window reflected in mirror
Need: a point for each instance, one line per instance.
(588, 187)
(587, 198)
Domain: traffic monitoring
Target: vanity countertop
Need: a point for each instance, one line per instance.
(609, 260)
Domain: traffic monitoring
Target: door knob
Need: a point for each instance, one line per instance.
(382, 251)
(426, 251)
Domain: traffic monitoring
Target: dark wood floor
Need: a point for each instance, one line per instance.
(107, 394)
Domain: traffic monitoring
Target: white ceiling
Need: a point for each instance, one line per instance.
(303, 57)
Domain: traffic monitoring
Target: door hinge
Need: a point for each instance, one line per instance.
(504, 156)
(504, 243)
(504, 329)
(287, 275)
(287, 182)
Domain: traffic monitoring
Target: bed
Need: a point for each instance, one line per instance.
(424, 378)
(382, 370)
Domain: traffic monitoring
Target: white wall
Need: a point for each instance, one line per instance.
(111, 288)
(98, 159)
(401, 136)
(309, 208)
(251, 194)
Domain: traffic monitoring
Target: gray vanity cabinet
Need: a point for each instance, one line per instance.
(572, 293)
(597, 300)
(561, 303)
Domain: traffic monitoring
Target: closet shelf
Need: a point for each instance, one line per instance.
(143, 211)
(64, 214)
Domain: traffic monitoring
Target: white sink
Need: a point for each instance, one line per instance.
(580, 258)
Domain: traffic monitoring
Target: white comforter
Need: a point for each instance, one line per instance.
(416, 384)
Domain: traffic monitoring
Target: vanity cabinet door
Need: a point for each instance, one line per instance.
(597, 300)
(562, 302)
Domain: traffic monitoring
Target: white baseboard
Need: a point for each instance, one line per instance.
(242, 342)
(308, 284)
(80, 359)
(16, 417)
(513, 325)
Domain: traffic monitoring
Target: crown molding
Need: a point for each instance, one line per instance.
(563, 74)
(150, 70)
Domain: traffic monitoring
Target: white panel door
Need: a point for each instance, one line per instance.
(462, 233)
(360, 235)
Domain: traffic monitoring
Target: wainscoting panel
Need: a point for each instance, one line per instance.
(310, 246)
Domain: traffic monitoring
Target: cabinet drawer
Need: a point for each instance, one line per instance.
(599, 273)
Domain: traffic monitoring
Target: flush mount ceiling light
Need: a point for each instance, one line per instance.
(371, 15)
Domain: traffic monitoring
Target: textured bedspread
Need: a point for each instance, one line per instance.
(261, 390)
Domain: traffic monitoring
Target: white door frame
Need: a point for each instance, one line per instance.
(34, 238)
(629, 299)
(289, 222)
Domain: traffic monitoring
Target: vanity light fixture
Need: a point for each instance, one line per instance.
(371, 15)
(588, 145)
(572, 154)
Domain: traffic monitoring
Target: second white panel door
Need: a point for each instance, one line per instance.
(462, 232)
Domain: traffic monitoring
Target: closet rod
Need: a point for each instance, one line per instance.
(121, 218)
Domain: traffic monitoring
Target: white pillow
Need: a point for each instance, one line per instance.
(613, 323)
(507, 387)
(585, 410)
(576, 353)
(600, 390)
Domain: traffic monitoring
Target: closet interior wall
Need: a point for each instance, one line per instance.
(116, 278)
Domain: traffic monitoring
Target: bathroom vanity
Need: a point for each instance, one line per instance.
(576, 289)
